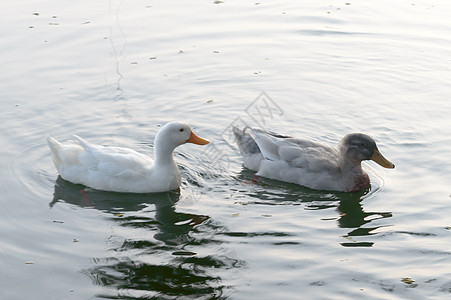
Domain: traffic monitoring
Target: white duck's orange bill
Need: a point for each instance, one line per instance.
(193, 138)
(381, 160)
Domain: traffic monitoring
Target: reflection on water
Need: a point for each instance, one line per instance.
(351, 213)
(109, 202)
(156, 252)
(353, 216)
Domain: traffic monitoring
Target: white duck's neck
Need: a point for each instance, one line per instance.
(163, 154)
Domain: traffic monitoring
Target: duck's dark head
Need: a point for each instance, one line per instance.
(358, 146)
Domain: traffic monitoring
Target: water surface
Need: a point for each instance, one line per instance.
(113, 72)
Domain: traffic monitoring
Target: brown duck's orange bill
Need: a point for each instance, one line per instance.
(193, 138)
(381, 160)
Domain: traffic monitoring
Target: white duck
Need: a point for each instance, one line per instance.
(311, 164)
(124, 170)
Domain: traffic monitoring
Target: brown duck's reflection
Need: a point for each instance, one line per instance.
(351, 213)
(157, 252)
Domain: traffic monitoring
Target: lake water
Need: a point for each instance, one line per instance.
(114, 71)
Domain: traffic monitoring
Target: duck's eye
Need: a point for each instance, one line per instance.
(181, 129)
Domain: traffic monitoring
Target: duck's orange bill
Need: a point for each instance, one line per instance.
(381, 160)
(193, 138)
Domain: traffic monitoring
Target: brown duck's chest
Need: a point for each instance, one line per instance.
(360, 182)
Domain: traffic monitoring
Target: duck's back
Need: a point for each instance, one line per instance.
(99, 167)
(311, 164)
(307, 163)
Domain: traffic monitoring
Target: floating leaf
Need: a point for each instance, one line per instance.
(266, 216)
(30, 262)
(75, 240)
(236, 214)
(407, 280)
(118, 214)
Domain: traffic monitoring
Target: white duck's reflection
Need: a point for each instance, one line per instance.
(119, 204)
(156, 252)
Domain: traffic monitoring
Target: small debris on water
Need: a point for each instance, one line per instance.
(349, 238)
(30, 262)
(184, 253)
(407, 280)
(328, 219)
(318, 283)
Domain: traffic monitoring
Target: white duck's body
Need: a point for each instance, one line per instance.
(311, 164)
(119, 169)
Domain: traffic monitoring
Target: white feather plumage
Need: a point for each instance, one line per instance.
(121, 169)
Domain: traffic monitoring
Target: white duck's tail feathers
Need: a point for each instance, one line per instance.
(82, 142)
(54, 146)
(245, 141)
